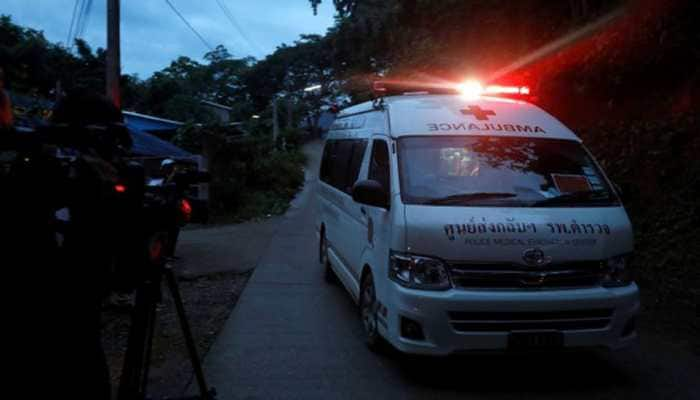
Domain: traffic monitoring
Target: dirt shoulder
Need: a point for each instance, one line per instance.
(208, 300)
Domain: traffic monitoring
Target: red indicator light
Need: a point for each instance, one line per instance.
(186, 209)
(472, 90)
(497, 89)
(119, 188)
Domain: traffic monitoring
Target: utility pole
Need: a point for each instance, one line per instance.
(113, 53)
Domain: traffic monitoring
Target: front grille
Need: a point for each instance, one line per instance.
(514, 321)
(565, 275)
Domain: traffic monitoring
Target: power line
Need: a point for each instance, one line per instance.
(83, 19)
(69, 39)
(81, 16)
(79, 20)
(86, 18)
(189, 25)
(229, 15)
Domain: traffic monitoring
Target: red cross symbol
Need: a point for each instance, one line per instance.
(476, 111)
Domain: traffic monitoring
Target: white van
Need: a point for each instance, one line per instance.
(467, 225)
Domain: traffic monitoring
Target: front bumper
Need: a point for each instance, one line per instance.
(435, 312)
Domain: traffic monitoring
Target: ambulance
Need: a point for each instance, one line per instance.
(471, 220)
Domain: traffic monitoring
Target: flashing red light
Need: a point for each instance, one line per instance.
(497, 90)
(470, 89)
(186, 209)
(379, 87)
(119, 188)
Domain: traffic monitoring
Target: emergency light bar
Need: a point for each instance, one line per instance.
(470, 89)
(496, 89)
(393, 88)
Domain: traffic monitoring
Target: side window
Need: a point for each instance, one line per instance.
(379, 164)
(358, 153)
(341, 163)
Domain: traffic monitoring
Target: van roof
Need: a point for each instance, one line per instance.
(425, 114)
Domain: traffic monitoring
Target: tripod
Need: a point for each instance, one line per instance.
(137, 361)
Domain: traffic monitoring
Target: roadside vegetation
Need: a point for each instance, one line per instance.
(251, 176)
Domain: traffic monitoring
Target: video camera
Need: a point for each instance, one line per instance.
(83, 180)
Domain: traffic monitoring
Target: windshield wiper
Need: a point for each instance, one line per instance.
(569, 198)
(469, 197)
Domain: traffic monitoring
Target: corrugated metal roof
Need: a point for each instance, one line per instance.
(146, 144)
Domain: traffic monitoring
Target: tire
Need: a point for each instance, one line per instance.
(368, 314)
(328, 273)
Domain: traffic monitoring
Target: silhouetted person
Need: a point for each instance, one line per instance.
(93, 239)
(62, 232)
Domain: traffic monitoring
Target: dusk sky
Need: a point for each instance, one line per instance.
(153, 35)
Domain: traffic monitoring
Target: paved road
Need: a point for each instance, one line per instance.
(294, 336)
(225, 248)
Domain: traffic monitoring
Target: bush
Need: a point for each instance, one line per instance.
(280, 172)
(291, 138)
(249, 177)
(656, 164)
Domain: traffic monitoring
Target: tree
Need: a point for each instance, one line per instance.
(176, 92)
(285, 74)
(34, 65)
(344, 7)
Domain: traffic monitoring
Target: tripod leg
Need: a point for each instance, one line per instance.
(189, 339)
(149, 347)
(135, 370)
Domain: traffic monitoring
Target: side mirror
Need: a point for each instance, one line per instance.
(371, 193)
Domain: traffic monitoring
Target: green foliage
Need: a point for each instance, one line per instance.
(292, 138)
(176, 91)
(288, 71)
(250, 178)
(279, 172)
(344, 7)
(655, 164)
(33, 65)
(190, 138)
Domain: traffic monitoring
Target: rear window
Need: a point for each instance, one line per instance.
(500, 171)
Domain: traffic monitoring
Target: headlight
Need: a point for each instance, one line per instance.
(619, 271)
(418, 272)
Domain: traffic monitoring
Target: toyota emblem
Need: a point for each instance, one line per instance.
(535, 257)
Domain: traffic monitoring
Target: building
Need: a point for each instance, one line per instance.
(221, 112)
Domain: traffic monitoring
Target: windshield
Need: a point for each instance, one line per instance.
(500, 171)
